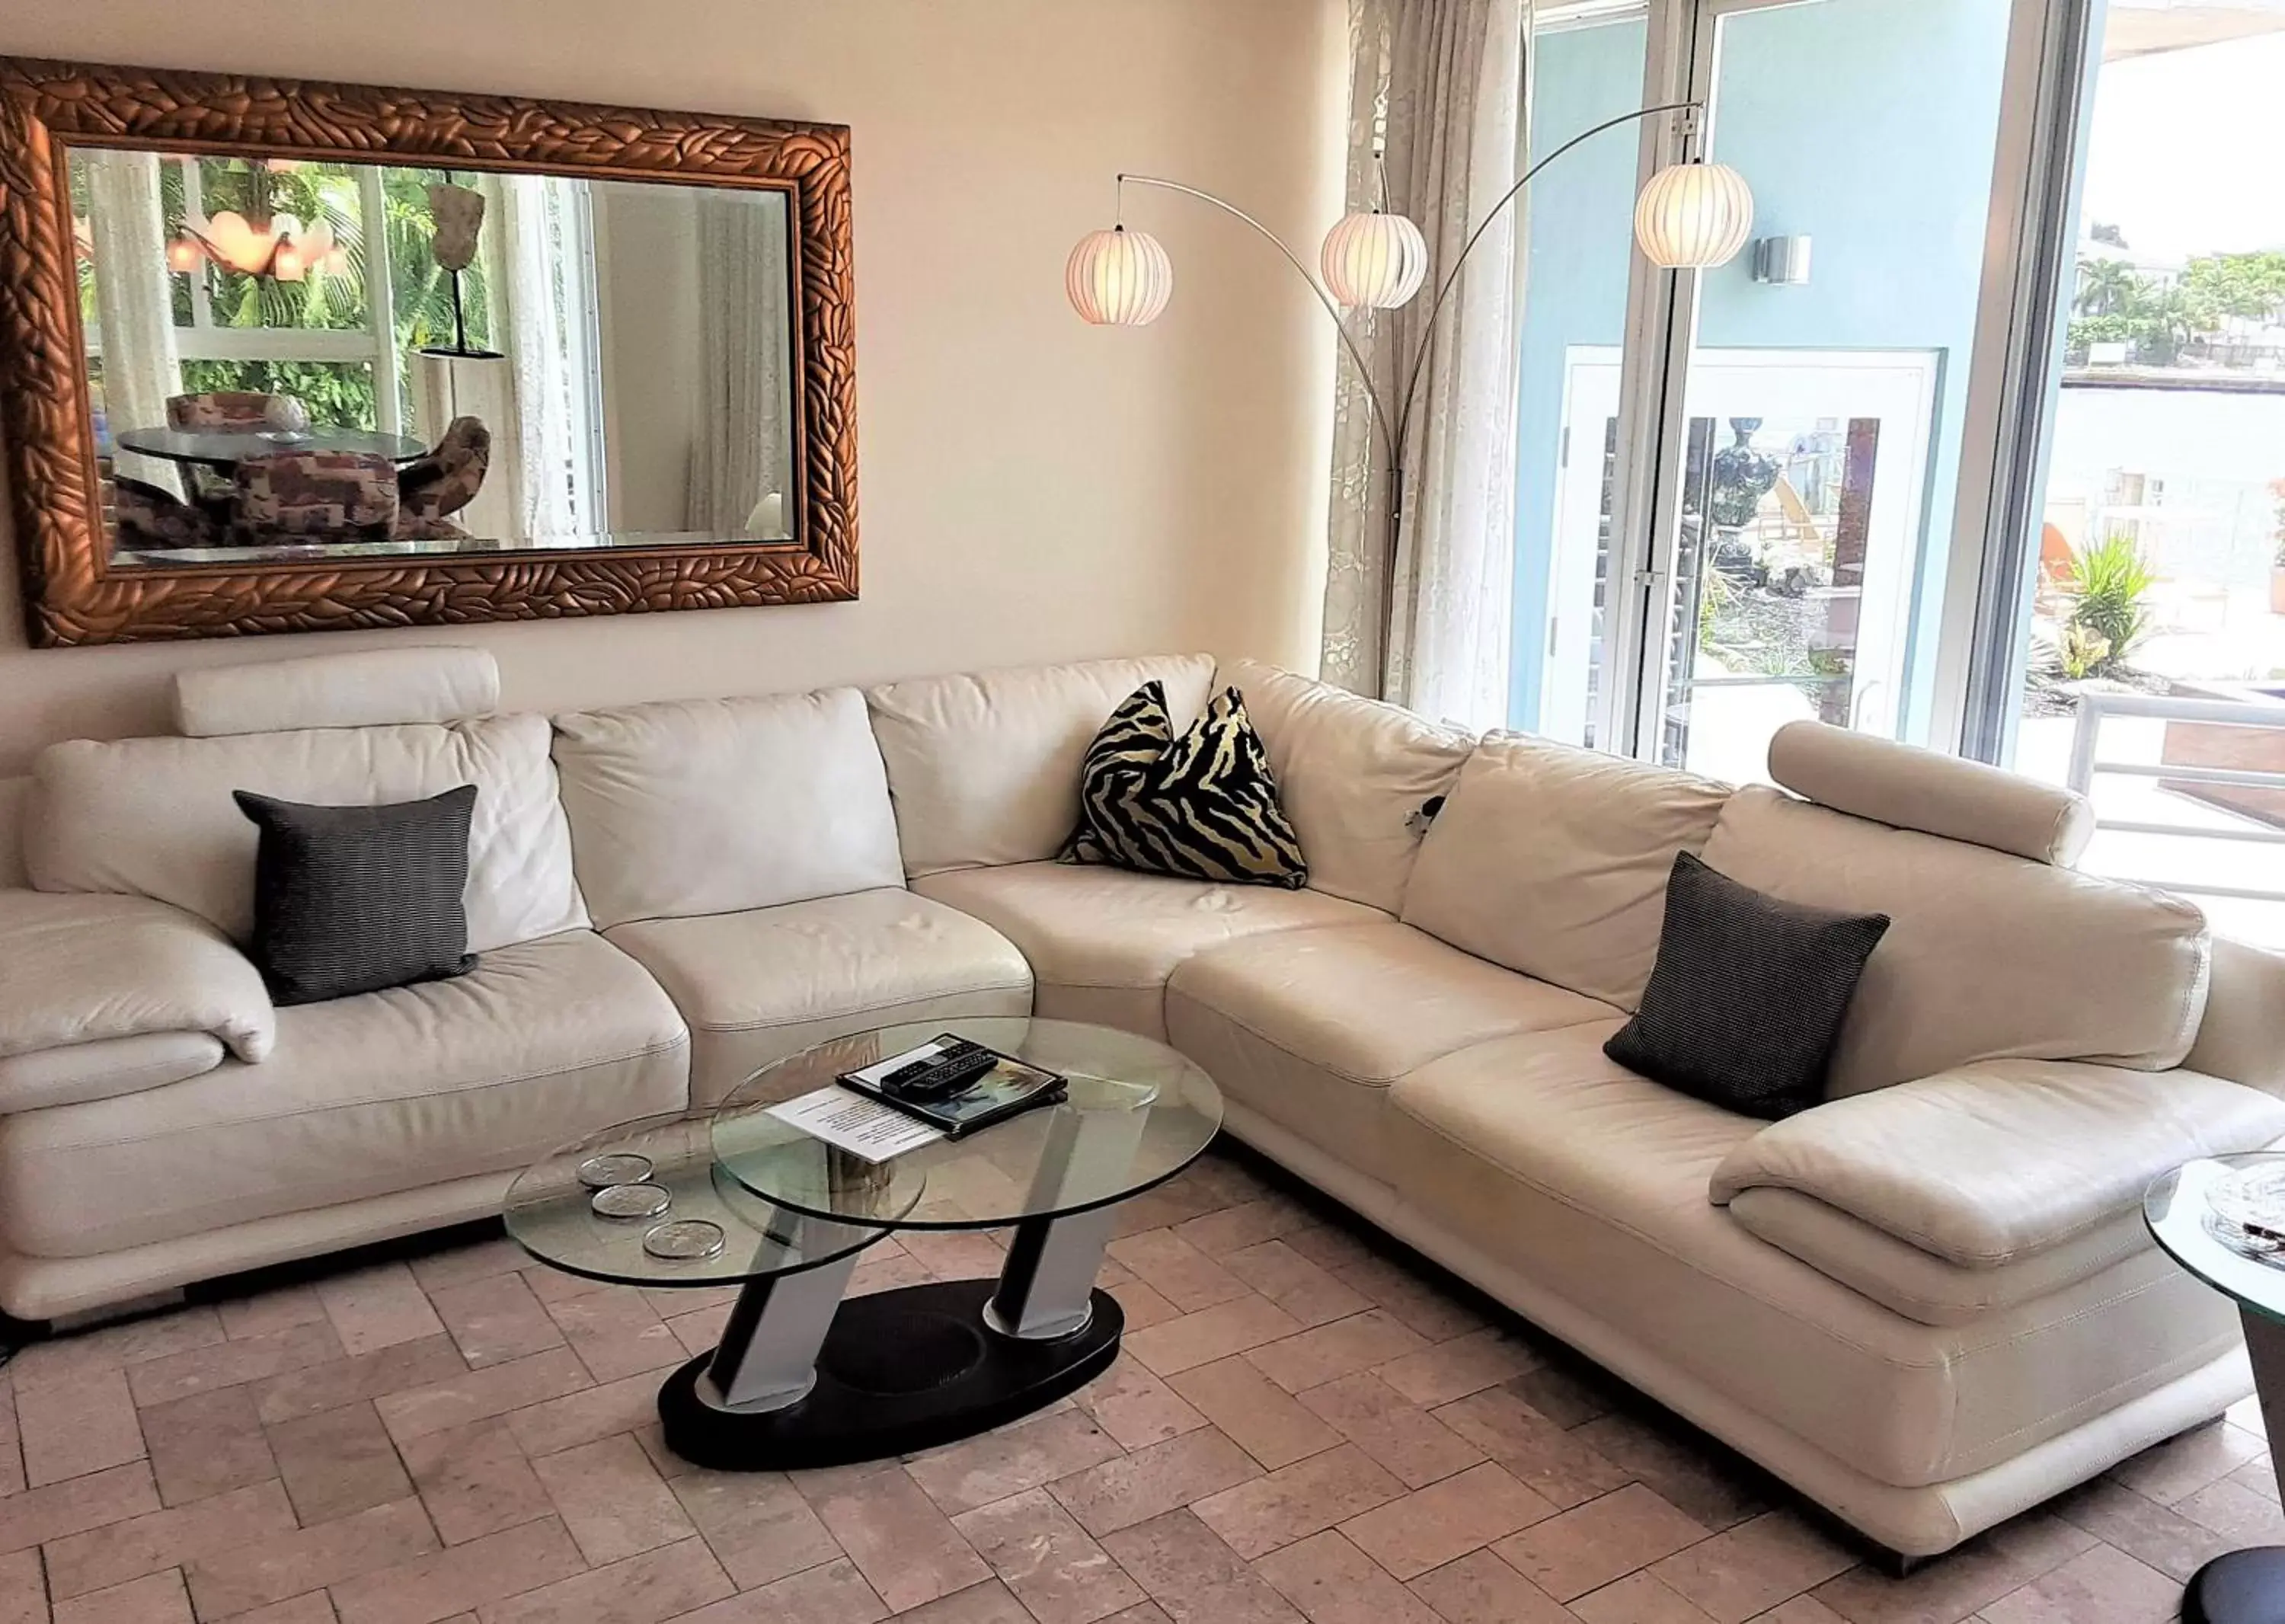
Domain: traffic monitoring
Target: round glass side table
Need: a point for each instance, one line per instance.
(2244, 1587)
(645, 1204)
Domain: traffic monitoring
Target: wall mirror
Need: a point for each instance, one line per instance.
(287, 356)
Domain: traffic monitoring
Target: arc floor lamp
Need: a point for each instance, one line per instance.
(1689, 215)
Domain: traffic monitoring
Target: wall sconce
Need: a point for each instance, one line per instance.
(1782, 260)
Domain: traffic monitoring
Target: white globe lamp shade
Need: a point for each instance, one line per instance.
(1118, 278)
(1374, 259)
(1693, 215)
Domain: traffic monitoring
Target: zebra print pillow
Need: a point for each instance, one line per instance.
(1203, 806)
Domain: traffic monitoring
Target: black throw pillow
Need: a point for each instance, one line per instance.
(355, 898)
(1202, 806)
(1745, 999)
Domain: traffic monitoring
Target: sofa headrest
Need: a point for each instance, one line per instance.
(372, 687)
(1908, 788)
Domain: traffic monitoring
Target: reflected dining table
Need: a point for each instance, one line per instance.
(224, 449)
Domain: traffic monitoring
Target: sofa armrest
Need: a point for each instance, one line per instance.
(79, 969)
(2003, 1158)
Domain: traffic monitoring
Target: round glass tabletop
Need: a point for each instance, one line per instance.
(2193, 1211)
(644, 1204)
(224, 447)
(1136, 1114)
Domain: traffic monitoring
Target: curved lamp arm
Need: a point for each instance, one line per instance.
(1491, 216)
(1389, 437)
(1393, 431)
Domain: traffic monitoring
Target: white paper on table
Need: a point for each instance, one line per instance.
(849, 1121)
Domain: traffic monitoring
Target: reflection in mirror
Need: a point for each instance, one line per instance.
(294, 359)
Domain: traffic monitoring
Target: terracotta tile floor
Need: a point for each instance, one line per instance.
(1307, 1423)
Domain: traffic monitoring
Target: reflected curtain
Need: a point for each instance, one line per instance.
(1442, 85)
(738, 472)
(127, 226)
(546, 278)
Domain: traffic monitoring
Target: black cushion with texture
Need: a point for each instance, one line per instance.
(1202, 806)
(355, 898)
(1745, 999)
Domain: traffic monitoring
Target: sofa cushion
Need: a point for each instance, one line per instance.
(1553, 860)
(984, 767)
(545, 1042)
(155, 817)
(1101, 942)
(1354, 774)
(717, 805)
(1918, 1284)
(352, 899)
(1199, 804)
(1748, 995)
(759, 985)
(1310, 1028)
(1584, 1186)
(370, 688)
(1993, 1162)
(1987, 955)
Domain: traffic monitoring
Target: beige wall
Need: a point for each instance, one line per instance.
(1031, 488)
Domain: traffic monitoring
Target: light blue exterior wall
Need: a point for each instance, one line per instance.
(1866, 124)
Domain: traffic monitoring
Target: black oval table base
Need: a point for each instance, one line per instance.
(2245, 1586)
(900, 1371)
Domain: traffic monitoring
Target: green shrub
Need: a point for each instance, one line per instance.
(2111, 580)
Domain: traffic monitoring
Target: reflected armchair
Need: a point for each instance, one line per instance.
(314, 497)
(432, 489)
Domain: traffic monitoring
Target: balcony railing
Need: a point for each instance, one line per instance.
(2086, 764)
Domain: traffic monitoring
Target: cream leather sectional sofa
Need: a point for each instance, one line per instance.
(1929, 1303)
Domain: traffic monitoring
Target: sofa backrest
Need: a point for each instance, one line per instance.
(14, 794)
(2242, 1036)
(1353, 775)
(717, 805)
(155, 817)
(1553, 860)
(1988, 955)
(984, 767)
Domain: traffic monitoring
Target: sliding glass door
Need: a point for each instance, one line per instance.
(1755, 469)
(2140, 642)
(1590, 66)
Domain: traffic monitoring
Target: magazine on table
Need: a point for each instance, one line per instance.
(957, 1085)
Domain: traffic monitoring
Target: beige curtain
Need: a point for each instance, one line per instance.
(1443, 84)
(740, 467)
(134, 310)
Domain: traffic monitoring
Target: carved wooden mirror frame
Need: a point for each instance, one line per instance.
(71, 594)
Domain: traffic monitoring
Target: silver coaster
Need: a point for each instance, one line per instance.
(618, 1167)
(630, 1201)
(684, 1239)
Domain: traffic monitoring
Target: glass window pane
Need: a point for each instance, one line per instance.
(1579, 237)
(2159, 564)
(1825, 399)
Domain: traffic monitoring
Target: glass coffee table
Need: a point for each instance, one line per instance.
(2242, 1587)
(805, 1376)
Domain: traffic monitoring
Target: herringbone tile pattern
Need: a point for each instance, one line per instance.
(1306, 1423)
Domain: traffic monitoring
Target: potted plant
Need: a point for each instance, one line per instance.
(2110, 581)
(2277, 557)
